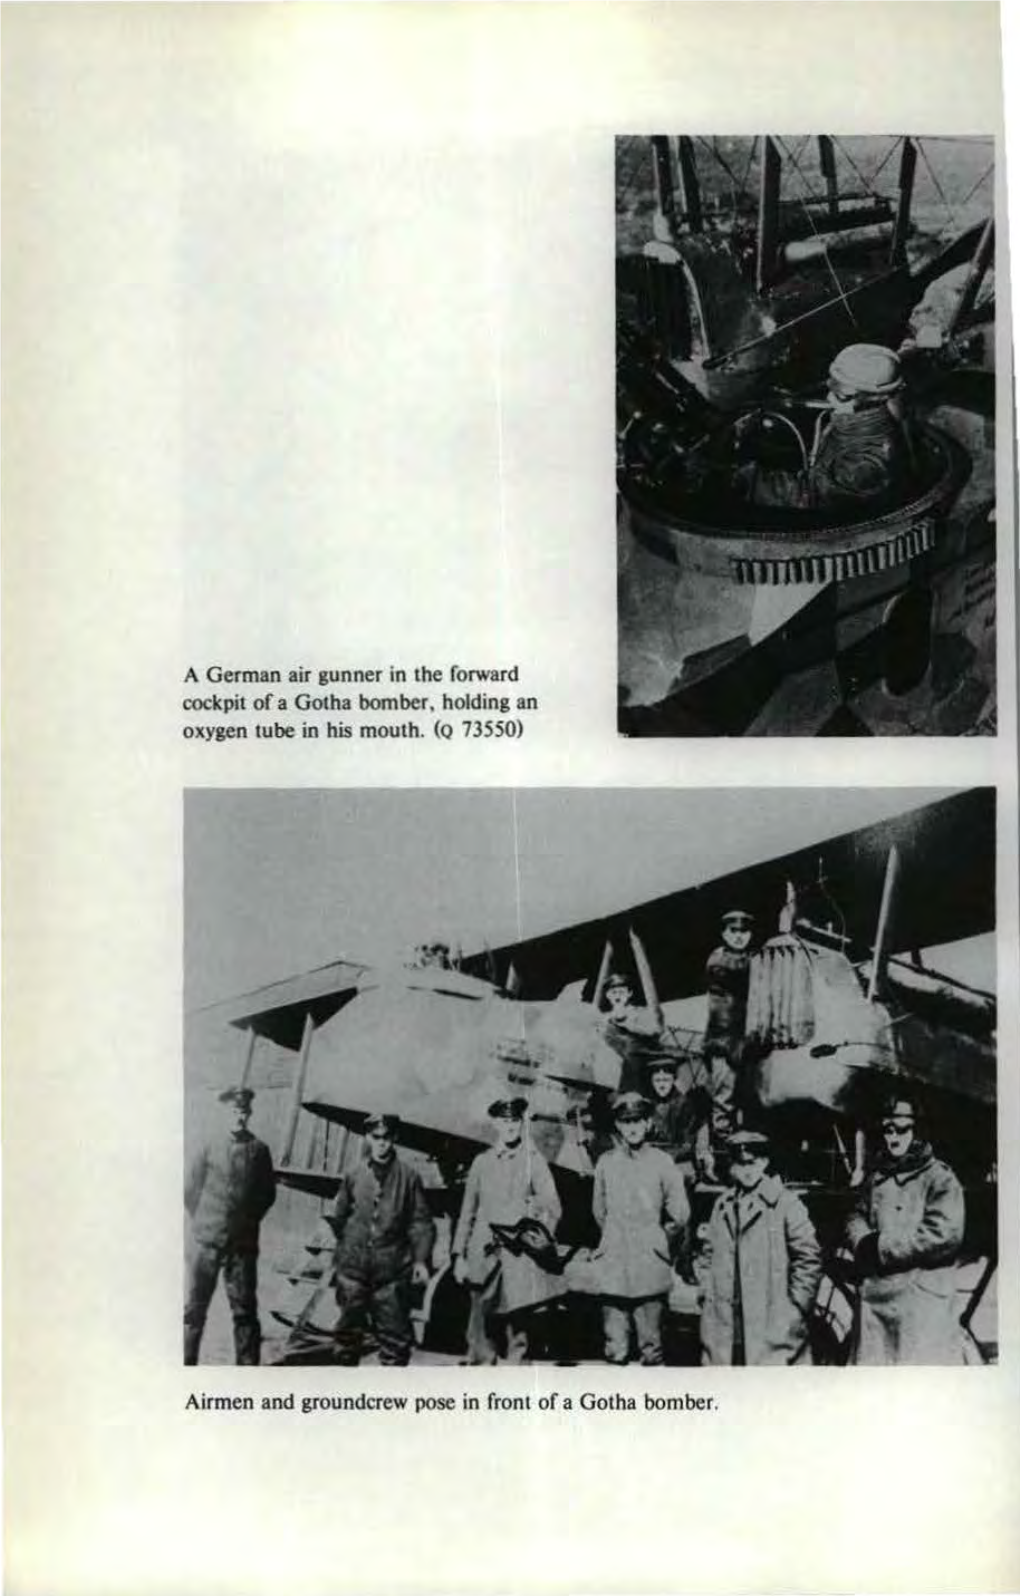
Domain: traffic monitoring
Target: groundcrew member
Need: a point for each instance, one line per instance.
(230, 1187)
(384, 1235)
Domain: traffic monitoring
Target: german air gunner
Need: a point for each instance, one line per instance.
(229, 1189)
(384, 1236)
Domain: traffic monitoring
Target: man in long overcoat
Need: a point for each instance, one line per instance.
(763, 1265)
(229, 1189)
(384, 1237)
(906, 1232)
(505, 1184)
(640, 1205)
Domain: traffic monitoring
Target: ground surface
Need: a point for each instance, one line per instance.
(276, 1291)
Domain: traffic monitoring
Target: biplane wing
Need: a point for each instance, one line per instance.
(437, 1045)
(946, 894)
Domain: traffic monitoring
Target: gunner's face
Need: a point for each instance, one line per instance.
(662, 1083)
(737, 938)
(618, 996)
(841, 404)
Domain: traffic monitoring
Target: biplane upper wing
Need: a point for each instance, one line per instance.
(436, 1045)
(280, 1011)
(946, 894)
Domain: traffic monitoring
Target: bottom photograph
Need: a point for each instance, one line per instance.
(579, 1076)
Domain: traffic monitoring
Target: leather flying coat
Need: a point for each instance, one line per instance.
(381, 1221)
(907, 1311)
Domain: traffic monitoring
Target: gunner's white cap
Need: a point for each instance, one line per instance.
(869, 371)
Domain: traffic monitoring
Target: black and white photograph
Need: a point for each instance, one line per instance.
(496, 1077)
(806, 397)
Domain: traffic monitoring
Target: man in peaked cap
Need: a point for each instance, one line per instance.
(506, 1184)
(384, 1234)
(763, 1265)
(632, 1029)
(229, 1189)
(679, 1107)
(640, 1205)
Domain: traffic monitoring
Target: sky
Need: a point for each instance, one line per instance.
(280, 881)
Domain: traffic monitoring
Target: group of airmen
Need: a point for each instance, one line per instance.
(753, 1274)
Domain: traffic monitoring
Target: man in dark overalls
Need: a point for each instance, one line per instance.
(384, 1237)
(230, 1187)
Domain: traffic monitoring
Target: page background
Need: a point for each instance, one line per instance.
(144, 533)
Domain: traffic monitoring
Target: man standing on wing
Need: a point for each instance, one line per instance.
(727, 978)
(230, 1187)
(384, 1234)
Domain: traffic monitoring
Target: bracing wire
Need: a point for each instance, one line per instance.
(887, 157)
(841, 291)
(823, 887)
(717, 155)
(801, 147)
(868, 188)
(985, 175)
(750, 163)
(637, 164)
(938, 187)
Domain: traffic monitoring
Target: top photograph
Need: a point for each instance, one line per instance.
(805, 353)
